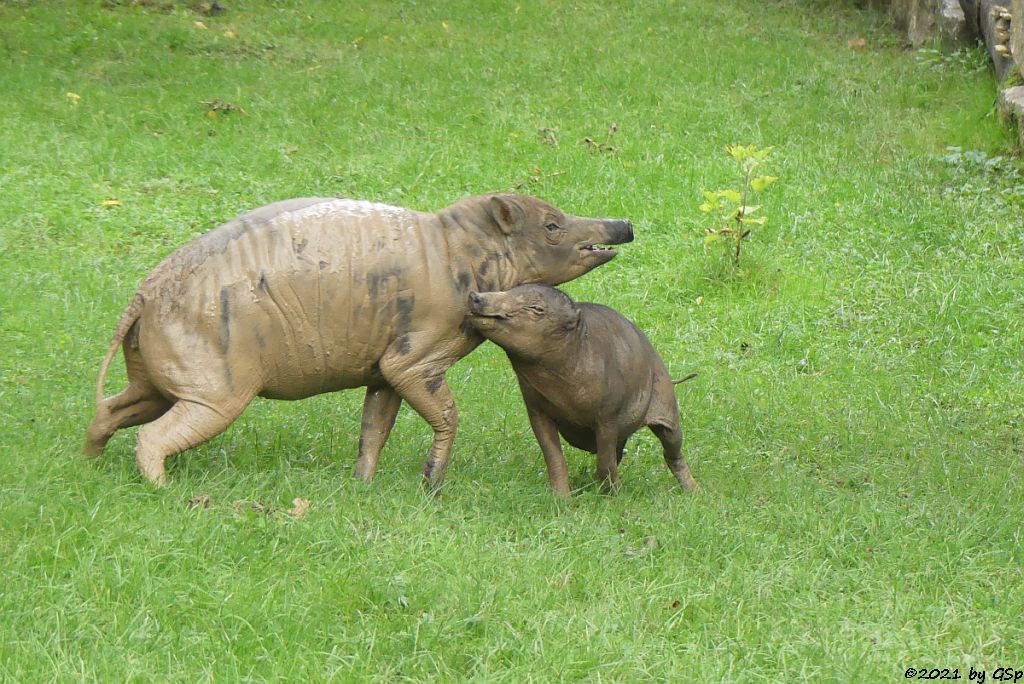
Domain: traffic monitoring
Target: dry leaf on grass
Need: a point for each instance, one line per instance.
(243, 506)
(299, 507)
(650, 543)
(606, 146)
(536, 176)
(201, 501)
(216, 106)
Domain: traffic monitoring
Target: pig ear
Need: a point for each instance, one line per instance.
(574, 319)
(506, 213)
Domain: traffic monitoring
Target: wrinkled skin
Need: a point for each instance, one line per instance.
(316, 295)
(587, 373)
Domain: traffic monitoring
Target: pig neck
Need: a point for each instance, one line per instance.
(479, 253)
(557, 363)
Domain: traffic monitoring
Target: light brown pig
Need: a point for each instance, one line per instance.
(586, 372)
(315, 295)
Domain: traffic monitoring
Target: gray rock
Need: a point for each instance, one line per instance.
(1011, 109)
(923, 21)
(951, 25)
(916, 18)
(970, 9)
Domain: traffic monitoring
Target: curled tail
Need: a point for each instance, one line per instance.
(128, 318)
(691, 376)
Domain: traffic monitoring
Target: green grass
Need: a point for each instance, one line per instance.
(857, 423)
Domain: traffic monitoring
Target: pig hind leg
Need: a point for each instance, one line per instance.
(380, 408)
(185, 425)
(134, 406)
(671, 438)
(139, 403)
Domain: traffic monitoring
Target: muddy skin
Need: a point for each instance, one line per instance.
(587, 373)
(316, 295)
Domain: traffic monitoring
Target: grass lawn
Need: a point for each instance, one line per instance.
(857, 423)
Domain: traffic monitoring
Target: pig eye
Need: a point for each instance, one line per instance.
(534, 308)
(551, 227)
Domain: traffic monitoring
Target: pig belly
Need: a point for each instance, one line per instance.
(324, 343)
(580, 437)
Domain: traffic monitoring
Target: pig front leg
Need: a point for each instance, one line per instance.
(436, 404)
(607, 456)
(422, 384)
(380, 408)
(546, 431)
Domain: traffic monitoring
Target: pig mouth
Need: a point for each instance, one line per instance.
(596, 249)
(487, 314)
(476, 312)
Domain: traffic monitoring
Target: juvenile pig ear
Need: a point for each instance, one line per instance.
(506, 213)
(574, 319)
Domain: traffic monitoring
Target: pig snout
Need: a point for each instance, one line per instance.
(475, 301)
(619, 231)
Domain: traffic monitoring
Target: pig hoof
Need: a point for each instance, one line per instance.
(433, 476)
(92, 449)
(157, 481)
(431, 488)
(691, 485)
(153, 472)
(363, 474)
(432, 483)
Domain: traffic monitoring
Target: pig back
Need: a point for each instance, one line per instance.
(630, 367)
(294, 299)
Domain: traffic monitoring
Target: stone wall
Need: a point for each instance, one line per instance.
(923, 21)
(998, 24)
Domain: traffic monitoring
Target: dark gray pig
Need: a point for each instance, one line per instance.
(586, 372)
(315, 295)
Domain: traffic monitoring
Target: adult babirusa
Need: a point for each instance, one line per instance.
(315, 295)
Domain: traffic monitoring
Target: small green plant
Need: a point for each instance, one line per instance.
(965, 60)
(977, 173)
(732, 206)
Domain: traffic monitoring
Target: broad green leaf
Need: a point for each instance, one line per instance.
(762, 182)
(745, 211)
(711, 237)
(739, 152)
(733, 196)
(708, 208)
(759, 221)
(761, 154)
